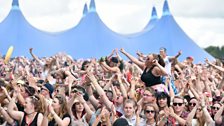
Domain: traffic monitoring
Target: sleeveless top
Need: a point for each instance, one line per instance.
(149, 79)
(33, 123)
(53, 122)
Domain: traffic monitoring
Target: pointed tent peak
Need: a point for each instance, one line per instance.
(85, 10)
(166, 10)
(92, 7)
(154, 13)
(15, 3)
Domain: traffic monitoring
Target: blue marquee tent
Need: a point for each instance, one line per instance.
(167, 33)
(16, 31)
(90, 38)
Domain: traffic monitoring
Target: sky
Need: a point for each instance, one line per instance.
(202, 20)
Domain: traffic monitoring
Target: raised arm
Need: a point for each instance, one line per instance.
(35, 57)
(123, 90)
(117, 55)
(17, 115)
(6, 115)
(100, 91)
(175, 57)
(58, 120)
(180, 120)
(112, 69)
(215, 66)
(191, 116)
(112, 53)
(133, 59)
(218, 115)
(92, 99)
(207, 116)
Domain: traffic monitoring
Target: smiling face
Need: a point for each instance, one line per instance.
(149, 60)
(29, 106)
(162, 102)
(129, 109)
(178, 105)
(148, 97)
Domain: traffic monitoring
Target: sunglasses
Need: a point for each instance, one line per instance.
(192, 104)
(199, 109)
(149, 111)
(215, 108)
(179, 104)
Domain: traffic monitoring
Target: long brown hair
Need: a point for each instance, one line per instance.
(159, 59)
(63, 105)
(38, 103)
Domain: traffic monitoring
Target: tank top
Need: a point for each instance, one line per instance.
(149, 79)
(33, 123)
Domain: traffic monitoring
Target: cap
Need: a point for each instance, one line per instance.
(50, 88)
(114, 59)
(190, 57)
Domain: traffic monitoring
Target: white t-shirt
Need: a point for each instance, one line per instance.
(167, 65)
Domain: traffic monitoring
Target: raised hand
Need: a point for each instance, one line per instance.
(155, 62)
(180, 52)
(206, 60)
(122, 50)
(4, 90)
(51, 109)
(31, 50)
(80, 97)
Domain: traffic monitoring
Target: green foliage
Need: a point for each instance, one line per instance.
(217, 52)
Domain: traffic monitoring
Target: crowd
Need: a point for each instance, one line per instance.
(147, 90)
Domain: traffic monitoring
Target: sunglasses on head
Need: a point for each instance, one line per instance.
(192, 104)
(34, 97)
(44, 89)
(179, 104)
(149, 111)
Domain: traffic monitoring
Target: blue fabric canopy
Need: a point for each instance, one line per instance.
(92, 38)
(16, 31)
(167, 33)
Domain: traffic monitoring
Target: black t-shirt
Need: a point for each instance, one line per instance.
(149, 79)
(53, 123)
